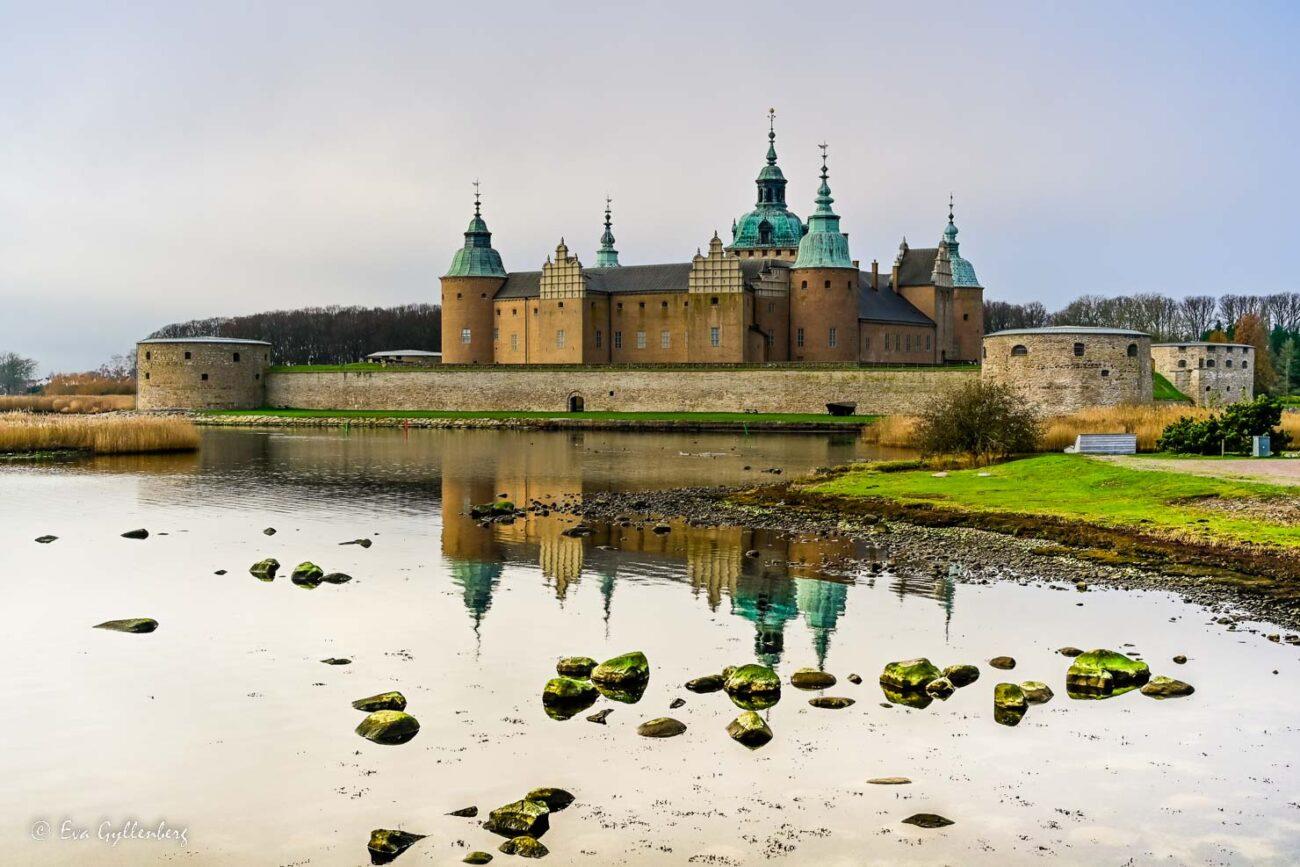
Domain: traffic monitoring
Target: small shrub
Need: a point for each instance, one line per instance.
(982, 420)
(1229, 431)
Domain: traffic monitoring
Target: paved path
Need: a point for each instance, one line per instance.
(1278, 471)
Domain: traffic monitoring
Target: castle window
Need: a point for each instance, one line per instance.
(561, 304)
(1182, 362)
(715, 336)
(255, 376)
(1244, 365)
(927, 343)
(535, 310)
(188, 356)
(664, 340)
(514, 342)
(1078, 349)
(1209, 362)
(482, 295)
(827, 285)
(598, 338)
(849, 285)
(1228, 363)
(640, 340)
(984, 352)
(618, 339)
(457, 296)
(771, 341)
(965, 317)
(832, 339)
(641, 304)
(618, 306)
(805, 285)
(465, 336)
(1132, 350)
(1019, 349)
(1105, 373)
(514, 311)
(559, 338)
(798, 337)
(203, 376)
(714, 300)
(146, 376)
(496, 334)
(148, 356)
(663, 304)
(771, 307)
(908, 338)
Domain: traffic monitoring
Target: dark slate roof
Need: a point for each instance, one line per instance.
(917, 266)
(521, 284)
(886, 305)
(624, 280)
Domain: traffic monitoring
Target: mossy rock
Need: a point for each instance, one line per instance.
(753, 681)
(749, 729)
(928, 820)
(1101, 673)
(555, 799)
(389, 727)
(1007, 716)
(909, 674)
(811, 678)
(961, 675)
(707, 683)
(622, 672)
(661, 727)
(1036, 692)
(941, 688)
(525, 847)
(914, 698)
(264, 570)
(1005, 663)
(136, 625)
(1167, 687)
(520, 817)
(385, 845)
(477, 858)
(335, 578)
(831, 702)
(564, 697)
(383, 701)
(307, 574)
(1010, 696)
(575, 666)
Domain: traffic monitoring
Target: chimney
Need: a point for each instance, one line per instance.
(875, 276)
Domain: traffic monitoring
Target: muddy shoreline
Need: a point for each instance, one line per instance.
(928, 543)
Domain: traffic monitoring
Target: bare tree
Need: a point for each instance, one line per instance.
(1196, 316)
(16, 372)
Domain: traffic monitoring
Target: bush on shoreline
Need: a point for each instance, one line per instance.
(983, 420)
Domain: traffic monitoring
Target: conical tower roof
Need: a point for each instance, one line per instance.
(825, 245)
(607, 256)
(477, 258)
(963, 272)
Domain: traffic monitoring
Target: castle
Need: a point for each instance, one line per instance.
(783, 290)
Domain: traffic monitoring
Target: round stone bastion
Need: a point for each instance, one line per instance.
(1067, 368)
(201, 373)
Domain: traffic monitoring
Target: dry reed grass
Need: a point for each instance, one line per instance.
(72, 404)
(116, 435)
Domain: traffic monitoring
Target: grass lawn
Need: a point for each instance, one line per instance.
(737, 418)
(1163, 389)
(1078, 487)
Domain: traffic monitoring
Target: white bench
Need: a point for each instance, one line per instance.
(1104, 444)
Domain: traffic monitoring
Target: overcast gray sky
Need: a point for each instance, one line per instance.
(171, 160)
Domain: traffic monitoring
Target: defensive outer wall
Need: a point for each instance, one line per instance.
(1066, 368)
(451, 387)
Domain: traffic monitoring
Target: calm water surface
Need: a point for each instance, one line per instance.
(224, 723)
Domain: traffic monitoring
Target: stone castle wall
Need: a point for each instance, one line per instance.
(1064, 371)
(1211, 374)
(197, 374)
(612, 389)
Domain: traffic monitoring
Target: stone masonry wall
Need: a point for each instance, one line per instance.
(1105, 370)
(614, 390)
(1211, 374)
(201, 375)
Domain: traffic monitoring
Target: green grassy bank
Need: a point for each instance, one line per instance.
(1163, 389)
(1078, 488)
(737, 419)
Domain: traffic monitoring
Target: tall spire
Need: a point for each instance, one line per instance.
(825, 245)
(477, 258)
(607, 256)
(950, 233)
(771, 136)
(963, 272)
(770, 225)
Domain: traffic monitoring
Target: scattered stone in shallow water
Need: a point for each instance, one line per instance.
(336, 578)
(336, 660)
(364, 543)
(909, 674)
(961, 675)
(383, 701)
(1009, 696)
(854, 679)
(554, 798)
(940, 688)
(575, 666)
(307, 574)
(465, 812)
(520, 817)
(1103, 673)
(1005, 663)
(916, 698)
(600, 716)
(385, 845)
(676, 703)
(477, 858)
(1180, 659)
(661, 727)
(219, 572)
(525, 847)
(136, 534)
(621, 672)
(137, 625)
(45, 540)
(811, 678)
(749, 729)
(753, 687)
(269, 531)
(264, 570)
(565, 697)
(831, 702)
(1036, 692)
(1167, 687)
(389, 727)
(890, 781)
(1069, 651)
(707, 683)
(928, 820)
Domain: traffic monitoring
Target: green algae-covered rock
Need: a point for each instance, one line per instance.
(928, 820)
(575, 666)
(264, 570)
(307, 574)
(831, 702)
(707, 683)
(525, 847)
(336, 578)
(909, 674)
(477, 857)
(622, 672)
(1036, 692)
(1104, 673)
(1167, 687)
(940, 688)
(520, 817)
(564, 697)
(137, 625)
(389, 727)
(749, 729)
(383, 701)
(385, 845)
(554, 799)
(961, 675)
(753, 687)
(811, 678)
(1009, 696)
(661, 727)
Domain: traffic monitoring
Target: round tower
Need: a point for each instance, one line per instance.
(468, 287)
(824, 288)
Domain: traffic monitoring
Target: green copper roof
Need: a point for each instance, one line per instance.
(963, 272)
(476, 258)
(825, 245)
(607, 256)
(770, 224)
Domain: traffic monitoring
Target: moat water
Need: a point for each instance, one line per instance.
(225, 725)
